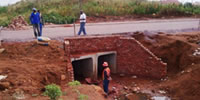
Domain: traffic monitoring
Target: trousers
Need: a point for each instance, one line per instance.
(40, 29)
(105, 85)
(82, 28)
(36, 30)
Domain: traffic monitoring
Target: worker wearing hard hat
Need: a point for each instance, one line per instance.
(106, 77)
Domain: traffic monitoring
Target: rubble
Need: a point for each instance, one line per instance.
(121, 75)
(164, 79)
(125, 87)
(197, 52)
(2, 50)
(18, 23)
(4, 85)
(136, 89)
(162, 92)
(2, 77)
(63, 77)
(134, 77)
(19, 95)
(91, 81)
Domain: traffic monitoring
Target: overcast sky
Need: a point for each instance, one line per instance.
(6, 2)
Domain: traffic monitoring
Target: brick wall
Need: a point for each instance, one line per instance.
(132, 56)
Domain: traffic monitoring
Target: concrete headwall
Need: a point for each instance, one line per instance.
(132, 56)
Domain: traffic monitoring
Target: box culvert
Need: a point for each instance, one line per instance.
(83, 68)
(124, 54)
(90, 65)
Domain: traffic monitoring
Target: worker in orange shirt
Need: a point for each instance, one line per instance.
(106, 77)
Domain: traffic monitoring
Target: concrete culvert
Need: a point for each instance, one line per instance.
(82, 68)
(110, 58)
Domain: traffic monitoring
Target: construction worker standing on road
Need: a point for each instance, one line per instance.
(35, 21)
(82, 23)
(106, 77)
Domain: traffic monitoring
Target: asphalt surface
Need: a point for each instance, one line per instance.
(59, 31)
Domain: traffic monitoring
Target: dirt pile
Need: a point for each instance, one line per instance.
(18, 23)
(92, 92)
(183, 80)
(185, 85)
(29, 66)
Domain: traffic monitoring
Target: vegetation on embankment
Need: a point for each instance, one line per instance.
(66, 11)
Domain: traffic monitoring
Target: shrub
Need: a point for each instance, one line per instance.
(53, 91)
(56, 18)
(4, 23)
(74, 83)
(83, 97)
(3, 9)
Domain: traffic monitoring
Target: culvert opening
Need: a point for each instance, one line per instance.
(111, 59)
(82, 69)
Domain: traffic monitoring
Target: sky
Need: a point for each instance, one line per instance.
(6, 2)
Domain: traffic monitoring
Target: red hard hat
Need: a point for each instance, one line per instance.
(105, 64)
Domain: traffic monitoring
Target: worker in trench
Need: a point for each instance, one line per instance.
(106, 77)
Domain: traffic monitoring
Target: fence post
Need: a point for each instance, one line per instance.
(199, 24)
(74, 27)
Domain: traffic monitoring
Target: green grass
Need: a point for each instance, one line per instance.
(53, 91)
(66, 11)
(74, 83)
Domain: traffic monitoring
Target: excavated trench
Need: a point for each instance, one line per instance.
(176, 51)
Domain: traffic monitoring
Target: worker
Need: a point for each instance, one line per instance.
(106, 77)
(82, 23)
(41, 22)
(35, 21)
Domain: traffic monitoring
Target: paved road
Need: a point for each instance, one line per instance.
(59, 31)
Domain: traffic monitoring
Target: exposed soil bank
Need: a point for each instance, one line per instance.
(177, 51)
(29, 66)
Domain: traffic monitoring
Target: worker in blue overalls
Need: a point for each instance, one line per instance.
(106, 77)
(35, 21)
